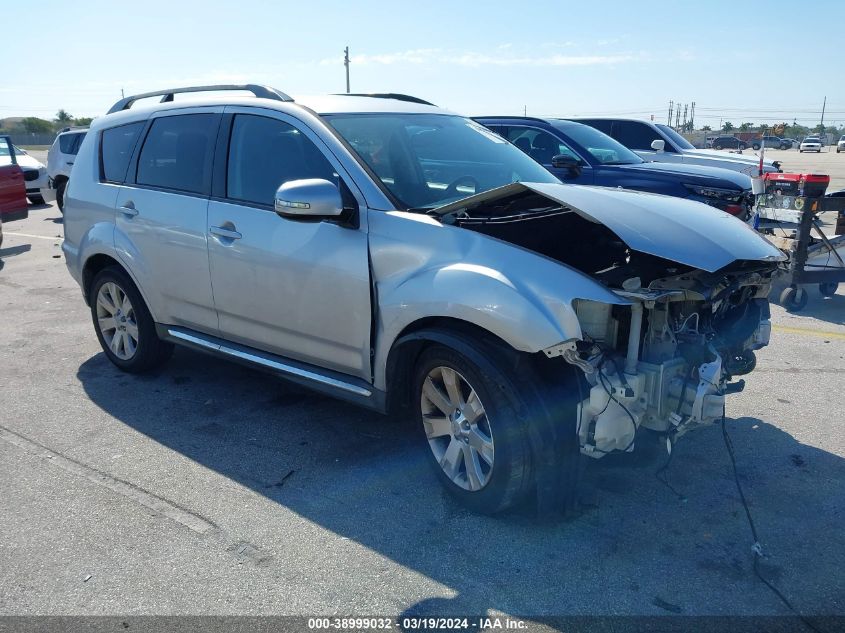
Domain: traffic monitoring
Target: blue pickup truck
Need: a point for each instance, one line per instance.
(580, 154)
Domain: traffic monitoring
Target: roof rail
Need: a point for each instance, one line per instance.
(262, 92)
(386, 95)
(517, 116)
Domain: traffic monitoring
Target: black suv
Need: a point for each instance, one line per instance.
(729, 142)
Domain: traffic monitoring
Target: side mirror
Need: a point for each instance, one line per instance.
(308, 199)
(563, 161)
(658, 145)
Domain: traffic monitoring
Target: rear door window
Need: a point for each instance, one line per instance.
(177, 153)
(116, 147)
(635, 135)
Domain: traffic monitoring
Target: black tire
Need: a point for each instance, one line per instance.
(756, 146)
(743, 146)
(828, 289)
(36, 199)
(794, 298)
(60, 195)
(717, 146)
(517, 417)
(151, 351)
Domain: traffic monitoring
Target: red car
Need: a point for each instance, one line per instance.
(13, 204)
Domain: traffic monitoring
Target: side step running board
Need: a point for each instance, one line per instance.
(325, 381)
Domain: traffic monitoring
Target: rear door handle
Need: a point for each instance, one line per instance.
(219, 231)
(128, 210)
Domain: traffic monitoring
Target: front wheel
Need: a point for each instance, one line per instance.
(717, 147)
(124, 325)
(482, 429)
(756, 146)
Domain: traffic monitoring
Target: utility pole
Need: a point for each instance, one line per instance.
(525, 110)
(686, 105)
(121, 93)
(824, 104)
(669, 120)
(346, 63)
(692, 117)
(678, 116)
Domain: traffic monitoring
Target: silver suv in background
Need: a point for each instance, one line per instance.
(60, 159)
(388, 252)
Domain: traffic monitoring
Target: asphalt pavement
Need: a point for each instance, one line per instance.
(207, 488)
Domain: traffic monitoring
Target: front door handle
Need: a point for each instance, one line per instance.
(229, 234)
(128, 209)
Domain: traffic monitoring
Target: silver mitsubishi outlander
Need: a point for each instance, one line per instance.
(391, 253)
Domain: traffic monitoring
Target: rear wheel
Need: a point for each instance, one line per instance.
(482, 428)
(756, 146)
(124, 325)
(60, 195)
(717, 146)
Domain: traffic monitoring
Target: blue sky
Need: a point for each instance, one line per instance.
(554, 58)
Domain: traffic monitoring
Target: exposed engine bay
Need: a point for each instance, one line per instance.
(664, 362)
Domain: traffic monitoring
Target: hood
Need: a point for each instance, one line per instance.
(698, 174)
(739, 158)
(682, 231)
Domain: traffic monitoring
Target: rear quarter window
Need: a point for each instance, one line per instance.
(69, 143)
(116, 147)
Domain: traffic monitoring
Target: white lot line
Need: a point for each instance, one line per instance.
(243, 550)
(8, 233)
(147, 499)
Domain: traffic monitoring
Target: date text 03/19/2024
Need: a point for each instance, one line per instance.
(417, 623)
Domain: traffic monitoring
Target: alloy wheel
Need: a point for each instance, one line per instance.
(116, 321)
(457, 428)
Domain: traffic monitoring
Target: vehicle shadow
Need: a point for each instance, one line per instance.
(11, 251)
(638, 548)
(58, 220)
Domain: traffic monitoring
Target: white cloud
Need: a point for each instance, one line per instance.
(476, 59)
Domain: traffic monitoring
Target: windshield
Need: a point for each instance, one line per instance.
(677, 139)
(428, 160)
(603, 148)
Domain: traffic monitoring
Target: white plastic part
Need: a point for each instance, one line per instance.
(634, 338)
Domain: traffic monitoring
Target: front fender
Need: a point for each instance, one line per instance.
(423, 270)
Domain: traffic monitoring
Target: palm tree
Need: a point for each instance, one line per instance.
(728, 126)
(62, 116)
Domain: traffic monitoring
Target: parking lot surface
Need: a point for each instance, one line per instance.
(206, 488)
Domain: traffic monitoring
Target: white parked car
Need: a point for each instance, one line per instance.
(811, 144)
(34, 173)
(60, 160)
(841, 144)
(660, 143)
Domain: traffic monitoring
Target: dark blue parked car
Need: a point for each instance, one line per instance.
(580, 154)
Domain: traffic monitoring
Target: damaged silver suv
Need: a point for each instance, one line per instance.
(385, 251)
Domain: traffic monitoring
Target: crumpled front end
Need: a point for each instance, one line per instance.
(667, 361)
